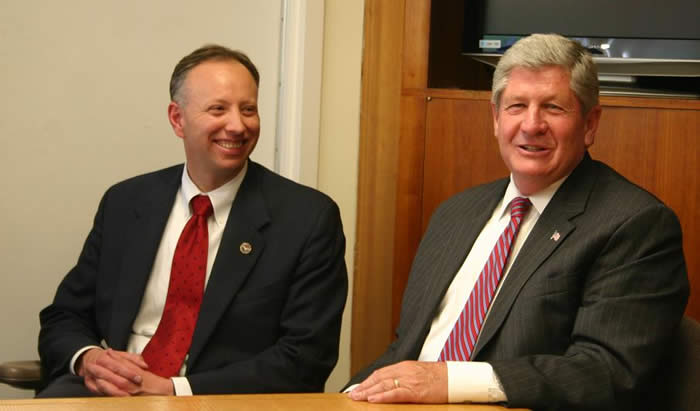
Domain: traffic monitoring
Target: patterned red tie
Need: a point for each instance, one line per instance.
(462, 339)
(166, 350)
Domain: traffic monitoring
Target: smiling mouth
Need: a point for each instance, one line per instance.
(230, 144)
(532, 149)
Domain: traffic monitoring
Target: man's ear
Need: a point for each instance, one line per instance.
(175, 118)
(591, 125)
(494, 114)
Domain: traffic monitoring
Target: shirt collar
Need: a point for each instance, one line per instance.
(539, 200)
(221, 198)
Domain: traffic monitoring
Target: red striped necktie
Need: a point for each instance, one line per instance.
(462, 339)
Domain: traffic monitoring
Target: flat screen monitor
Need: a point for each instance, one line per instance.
(628, 38)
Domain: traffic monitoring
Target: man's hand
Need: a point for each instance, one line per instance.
(407, 381)
(154, 384)
(120, 374)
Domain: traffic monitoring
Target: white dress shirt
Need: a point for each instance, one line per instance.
(153, 302)
(474, 381)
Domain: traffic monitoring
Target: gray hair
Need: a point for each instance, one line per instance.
(210, 52)
(539, 50)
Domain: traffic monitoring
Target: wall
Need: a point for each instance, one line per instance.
(339, 139)
(85, 91)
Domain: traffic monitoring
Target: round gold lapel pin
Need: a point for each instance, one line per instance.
(246, 248)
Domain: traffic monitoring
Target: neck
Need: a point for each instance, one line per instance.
(210, 183)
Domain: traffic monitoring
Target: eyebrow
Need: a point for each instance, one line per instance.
(546, 98)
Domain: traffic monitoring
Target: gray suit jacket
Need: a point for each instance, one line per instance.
(580, 322)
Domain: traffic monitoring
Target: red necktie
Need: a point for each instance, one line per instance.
(462, 339)
(166, 350)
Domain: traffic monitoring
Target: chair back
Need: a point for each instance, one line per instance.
(677, 384)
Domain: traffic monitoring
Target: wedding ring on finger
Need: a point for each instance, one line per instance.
(396, 383)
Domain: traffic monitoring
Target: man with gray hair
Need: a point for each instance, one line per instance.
(573, 306)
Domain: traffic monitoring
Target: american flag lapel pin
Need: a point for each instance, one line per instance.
(555, 236)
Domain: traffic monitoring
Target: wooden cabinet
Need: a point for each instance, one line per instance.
(432, 142)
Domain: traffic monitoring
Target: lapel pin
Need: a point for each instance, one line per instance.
(245, 248)
(554, 236)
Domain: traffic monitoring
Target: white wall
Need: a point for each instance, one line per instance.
(84, 88)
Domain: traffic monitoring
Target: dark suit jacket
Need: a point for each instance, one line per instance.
(270, 319)
(580, 322)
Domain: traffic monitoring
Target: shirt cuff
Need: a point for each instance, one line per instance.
(472, 381)
(71, 366)
(181, 386)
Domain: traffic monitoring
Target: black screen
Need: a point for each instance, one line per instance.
(651, 19)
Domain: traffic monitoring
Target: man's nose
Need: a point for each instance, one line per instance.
(534, 122)
(234, 122)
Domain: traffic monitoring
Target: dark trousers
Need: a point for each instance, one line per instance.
(67, 385)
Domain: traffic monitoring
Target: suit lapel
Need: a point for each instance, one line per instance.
(233, 261)
(144, 232)
(445, 248)
(551, 231)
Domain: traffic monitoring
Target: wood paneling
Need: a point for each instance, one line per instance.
(410, 167)
(409, 196)
(461, 150)
(395, 57)
(657, 148)
(379, 138)
(415, 50)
